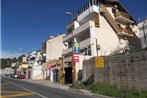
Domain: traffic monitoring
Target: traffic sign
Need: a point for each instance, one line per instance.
(76, 58)
(76, 47)
(99, 62)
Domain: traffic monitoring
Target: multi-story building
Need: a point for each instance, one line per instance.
(101, 27)
(143, 32)
(53, 47)
(52, 50)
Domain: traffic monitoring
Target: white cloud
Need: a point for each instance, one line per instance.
(8, 54)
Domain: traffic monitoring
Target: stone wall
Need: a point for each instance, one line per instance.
(125, 71)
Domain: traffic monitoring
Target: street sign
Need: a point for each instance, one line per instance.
(99, 62)
(76, 47)
(76, 58)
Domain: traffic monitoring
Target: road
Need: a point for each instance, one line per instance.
(20, 89)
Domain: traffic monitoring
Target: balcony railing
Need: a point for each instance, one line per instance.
(124, 17)
(69, 50)
(85, 43)
(79, 30)
(126, 32)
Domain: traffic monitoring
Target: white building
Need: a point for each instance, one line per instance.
(143, 33)
(34, 70)
(52, 49)
(7, 71)
(101, 27)
(102, 23)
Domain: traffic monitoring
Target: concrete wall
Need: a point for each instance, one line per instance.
(125, 71)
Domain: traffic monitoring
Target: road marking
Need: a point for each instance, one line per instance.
(15, 94)
(5, 84)
(27, 89)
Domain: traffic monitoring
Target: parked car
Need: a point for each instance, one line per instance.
(21, 76)
(15, 76)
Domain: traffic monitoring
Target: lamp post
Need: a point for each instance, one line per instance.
(73, 64)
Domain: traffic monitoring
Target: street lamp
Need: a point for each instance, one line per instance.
(73, 64)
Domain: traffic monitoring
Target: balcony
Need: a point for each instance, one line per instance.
(69, 50)
(79, 30)
(85, 43)
(126, 32)
(82, 44)
(123, 17)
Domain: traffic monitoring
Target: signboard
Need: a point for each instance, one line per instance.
(99, 62)
(76, 58)
(76, 47)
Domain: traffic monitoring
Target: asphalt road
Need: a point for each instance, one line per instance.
(20, 89)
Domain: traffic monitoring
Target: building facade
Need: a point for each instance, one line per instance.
(101, 27)
(143, 32)
(52, 50)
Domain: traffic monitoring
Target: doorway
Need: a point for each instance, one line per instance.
(68, 75)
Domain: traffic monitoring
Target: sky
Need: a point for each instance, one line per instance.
(25, 24)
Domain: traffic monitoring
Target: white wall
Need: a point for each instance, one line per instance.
(106, 37)
(143, 33)
(54, 48)
(36, 71)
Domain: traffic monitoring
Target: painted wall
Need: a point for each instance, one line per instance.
(54, 47)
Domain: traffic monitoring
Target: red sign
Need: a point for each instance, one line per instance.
(76, 58)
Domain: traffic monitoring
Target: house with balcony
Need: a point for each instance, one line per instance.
(51, 51)
(101, 27)
(143, 33)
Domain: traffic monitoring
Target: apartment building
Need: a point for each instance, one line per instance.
(143, 32)
(101, 27)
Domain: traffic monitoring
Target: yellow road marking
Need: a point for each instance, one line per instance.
(15, 94)
(5, 84)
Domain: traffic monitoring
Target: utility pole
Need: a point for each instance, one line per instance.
(73, 64)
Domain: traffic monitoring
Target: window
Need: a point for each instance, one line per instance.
(88, 51)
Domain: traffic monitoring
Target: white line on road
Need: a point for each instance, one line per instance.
(26, 89)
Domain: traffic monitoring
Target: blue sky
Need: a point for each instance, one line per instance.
(27, 23)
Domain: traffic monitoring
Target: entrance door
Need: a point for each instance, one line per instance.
(68, 75)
